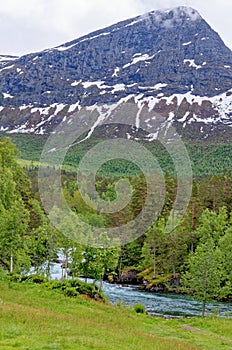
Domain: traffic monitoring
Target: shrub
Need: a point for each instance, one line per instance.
(75, 283)
(38, 279)
(28, 278)
(139, 308)
(88, 289)
(14, 277)
(3, 274)
(54, 284)
(75, 287)
(71, 292)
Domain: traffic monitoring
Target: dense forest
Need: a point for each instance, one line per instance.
(207, 158)
(196, 255)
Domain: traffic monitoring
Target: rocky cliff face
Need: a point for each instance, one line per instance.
(170, 60)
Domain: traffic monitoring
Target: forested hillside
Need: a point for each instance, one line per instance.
(206, 158)
(194, 258)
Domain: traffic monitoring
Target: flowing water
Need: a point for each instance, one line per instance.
(164, 304)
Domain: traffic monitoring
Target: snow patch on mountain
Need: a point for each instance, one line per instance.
(116, 71)
(8, 58)
(137, 59)
(8, 67)
(169, 17)
(221, 104)
(186, 44)
(6, 95)
(162, 61)
(192, 63)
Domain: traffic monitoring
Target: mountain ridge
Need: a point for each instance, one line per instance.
(170, 60)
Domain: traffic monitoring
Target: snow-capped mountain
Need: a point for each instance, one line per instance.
(171, 61)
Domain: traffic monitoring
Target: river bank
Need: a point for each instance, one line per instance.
(161, 284)
(34, 317)
(166, 304)
(163, 304)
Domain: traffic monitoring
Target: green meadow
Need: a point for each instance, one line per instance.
(33, 317)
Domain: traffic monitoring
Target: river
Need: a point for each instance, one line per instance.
(163, 304)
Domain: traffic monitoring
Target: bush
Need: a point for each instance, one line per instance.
(14, 277)
(38, 279)
(54, 284)
(139, 308)
(70, 288)
(75, 287)
(3, 274)
(71, 292)
(89, 289)
(75, 283)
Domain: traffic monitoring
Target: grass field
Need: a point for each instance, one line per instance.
(34, 317)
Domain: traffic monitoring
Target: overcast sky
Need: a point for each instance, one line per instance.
(33, 25)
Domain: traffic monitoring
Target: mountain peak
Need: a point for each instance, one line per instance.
(170, 17)
(171, 58)
(179, 11)
(185, 11)
(156, 19)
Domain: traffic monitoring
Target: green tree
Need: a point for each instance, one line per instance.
(205, 272)
(153, 247)
(14, 216)
(41, 238)
(225, 246)
(212, 225)
(13, 248)
(96, 261)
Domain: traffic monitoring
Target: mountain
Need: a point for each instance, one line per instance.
(171, 60)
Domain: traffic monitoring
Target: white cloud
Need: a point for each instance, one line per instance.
(32, 25)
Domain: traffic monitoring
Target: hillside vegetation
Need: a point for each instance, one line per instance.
(206, 159)
(33, 317)
(194, 257)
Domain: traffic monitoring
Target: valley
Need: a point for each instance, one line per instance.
(116, 165)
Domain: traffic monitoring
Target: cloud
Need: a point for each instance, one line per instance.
(32, 25)
(29, 25)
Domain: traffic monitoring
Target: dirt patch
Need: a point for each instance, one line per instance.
(186, 327)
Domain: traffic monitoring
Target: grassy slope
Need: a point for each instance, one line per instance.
(32, 317)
